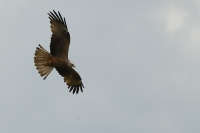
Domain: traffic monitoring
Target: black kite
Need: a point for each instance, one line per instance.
(45, 62)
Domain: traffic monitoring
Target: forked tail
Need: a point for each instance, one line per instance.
(42, 61)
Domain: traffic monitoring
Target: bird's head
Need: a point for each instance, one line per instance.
(71, 64)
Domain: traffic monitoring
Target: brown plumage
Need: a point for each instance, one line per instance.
(45, 62)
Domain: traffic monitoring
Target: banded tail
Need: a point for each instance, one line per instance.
(42, 61)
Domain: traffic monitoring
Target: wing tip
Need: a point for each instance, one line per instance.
(75, 89)
(53, 15)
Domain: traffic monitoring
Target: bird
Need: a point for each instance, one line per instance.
(45, 62)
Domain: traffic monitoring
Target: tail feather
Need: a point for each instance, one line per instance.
(42, 61)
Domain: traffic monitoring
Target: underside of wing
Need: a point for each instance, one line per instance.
(72, 78)
(60, 38)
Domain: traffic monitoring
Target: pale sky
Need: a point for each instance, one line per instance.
(139, 62)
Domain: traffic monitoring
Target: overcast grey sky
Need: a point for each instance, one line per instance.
(139, 61)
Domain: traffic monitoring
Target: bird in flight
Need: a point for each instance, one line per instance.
(45, 62)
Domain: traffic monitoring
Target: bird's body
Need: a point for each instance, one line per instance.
(60, 62)
(45, 62)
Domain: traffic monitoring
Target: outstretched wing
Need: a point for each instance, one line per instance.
(72, 78)
(60, 38)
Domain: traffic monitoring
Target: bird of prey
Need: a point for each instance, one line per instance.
(45, 62)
